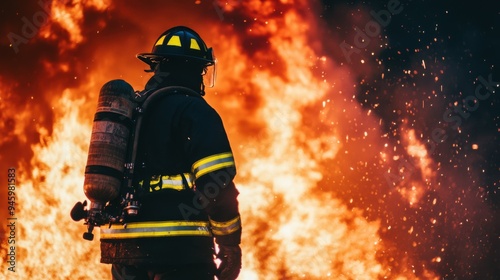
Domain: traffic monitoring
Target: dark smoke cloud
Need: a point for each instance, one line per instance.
(457, 43)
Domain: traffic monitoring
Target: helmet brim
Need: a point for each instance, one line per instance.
(152, 58)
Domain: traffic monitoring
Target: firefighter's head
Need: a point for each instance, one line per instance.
(181, 50)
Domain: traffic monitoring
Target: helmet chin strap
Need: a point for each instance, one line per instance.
(202, 90)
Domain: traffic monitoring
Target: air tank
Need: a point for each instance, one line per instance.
(111, 133)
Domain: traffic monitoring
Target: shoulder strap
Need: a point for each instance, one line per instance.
(147, 97)
(144, 99)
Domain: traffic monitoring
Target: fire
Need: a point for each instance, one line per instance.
(47, 235)
(325, 192)
(69, 17)
(412, 189)
(283, 174)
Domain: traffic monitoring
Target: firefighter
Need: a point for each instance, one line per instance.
(184, 170)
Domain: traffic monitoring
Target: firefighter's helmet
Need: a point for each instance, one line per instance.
(184, 43)
(180, 42)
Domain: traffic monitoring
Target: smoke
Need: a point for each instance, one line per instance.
(428, 73)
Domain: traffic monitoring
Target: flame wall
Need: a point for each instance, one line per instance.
(338, 178)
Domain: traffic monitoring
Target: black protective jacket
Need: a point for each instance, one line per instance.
(182, 138)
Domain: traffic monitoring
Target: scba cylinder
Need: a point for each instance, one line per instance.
(111, 133)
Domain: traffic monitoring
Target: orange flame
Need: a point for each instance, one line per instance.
(413, 189)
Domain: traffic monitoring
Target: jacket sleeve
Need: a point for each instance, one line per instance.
(208, 150)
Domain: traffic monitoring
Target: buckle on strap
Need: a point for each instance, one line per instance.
(176, 182)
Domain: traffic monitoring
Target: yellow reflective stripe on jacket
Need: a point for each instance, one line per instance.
(175, 182)
(225, 228)
(156, 229)
(212, 163)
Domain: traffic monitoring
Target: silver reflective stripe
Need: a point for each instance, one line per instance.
(175, 182)
(227, 227)
(156, 229)
(212, 163)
